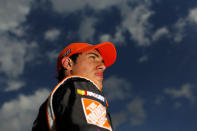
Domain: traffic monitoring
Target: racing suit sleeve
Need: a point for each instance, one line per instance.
(79, 112)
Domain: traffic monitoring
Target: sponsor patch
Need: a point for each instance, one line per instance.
(89, 93)
(95, 113)
(67, 53)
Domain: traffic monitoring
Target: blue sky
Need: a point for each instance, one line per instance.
(151, 87)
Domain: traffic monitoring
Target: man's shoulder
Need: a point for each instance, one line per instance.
(79, 82)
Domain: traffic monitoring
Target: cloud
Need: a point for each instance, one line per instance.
(13, 13)
(177, 105)
(105, 37)
(32, 50)
(135, 20)
(159, 99)
(19, 114)
(52, 55)
(179, 29)
(193, 15)
(87, 30)
(182, 23)
(119, 118)
(19, 31)
(135, 17)
(14, 85)
(12, 53)
(117, 39)
(143, 59)
(52, 34)
(184, 92)
(159, 33)
(136, 112)
(117, 88)
(133, 112)
(68, 6)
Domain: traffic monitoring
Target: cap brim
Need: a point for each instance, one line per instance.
(107, 51)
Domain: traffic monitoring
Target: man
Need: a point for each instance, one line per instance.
(77, 103)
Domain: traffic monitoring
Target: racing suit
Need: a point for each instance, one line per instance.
(75, 104)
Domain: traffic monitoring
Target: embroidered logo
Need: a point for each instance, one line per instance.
(67, 53)
(89, 93)
(95, 113)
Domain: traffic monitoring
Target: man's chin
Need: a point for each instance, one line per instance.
(99, 83)
(97, 80)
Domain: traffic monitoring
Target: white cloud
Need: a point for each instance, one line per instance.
(179, 29)
(117, 39)
(14, 85)
(135, 20)
(12, 53)
(87, 30)
(52, 34)
(193, 15)
(177, 105)
(105, 37)
(184, 92)
(159, 99)
(133, 112)
(31, 52)
(181, 24)
(159, 33)
(136, 112)
(117, 88)
(119, 118)
(52, 55)
(19, 114)
(62, 6)
(12, 13)
(19, 31)
(143, 59)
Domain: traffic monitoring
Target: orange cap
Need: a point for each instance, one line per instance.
(106, 49)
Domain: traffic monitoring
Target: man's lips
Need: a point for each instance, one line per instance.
(100, 74)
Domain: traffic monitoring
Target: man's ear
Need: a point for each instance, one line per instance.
(67, 63)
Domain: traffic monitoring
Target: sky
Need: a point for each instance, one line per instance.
(152, 86)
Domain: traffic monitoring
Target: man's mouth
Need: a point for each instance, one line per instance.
(100, 74)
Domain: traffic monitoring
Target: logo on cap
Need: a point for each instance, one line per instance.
(67, 53)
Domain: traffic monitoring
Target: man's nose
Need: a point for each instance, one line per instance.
(101, 65)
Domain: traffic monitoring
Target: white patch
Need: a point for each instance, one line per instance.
(96, 96)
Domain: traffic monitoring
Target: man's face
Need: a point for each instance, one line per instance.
(90, 64)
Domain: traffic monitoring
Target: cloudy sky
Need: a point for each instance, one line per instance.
(151, 87)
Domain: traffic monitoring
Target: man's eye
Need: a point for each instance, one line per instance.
(93, 57)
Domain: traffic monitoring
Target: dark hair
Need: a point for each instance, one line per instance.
(61, 74)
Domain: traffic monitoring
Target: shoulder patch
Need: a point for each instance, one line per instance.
(89, 93)
(95, 113)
